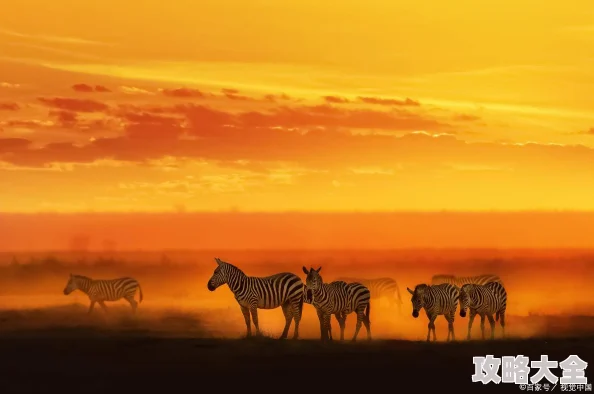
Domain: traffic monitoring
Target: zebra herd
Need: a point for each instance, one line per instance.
(482, 295)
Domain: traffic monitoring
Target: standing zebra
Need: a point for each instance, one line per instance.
(101, 290)
(380, 288)
(333, 288)
(437, 300)
(340, 299)
(484, 300)
(270, 292)
(462, 280)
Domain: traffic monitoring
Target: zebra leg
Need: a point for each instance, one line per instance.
(323, 332)
(297, 310)
(367, 324)
(341, 324)
(431, 328)
(492, 324)
(246, 316)
(255, 320)
(133, 303)
(471, 317)
(91, 307)
(288, 318)
(360, 318)
(327, 329)
(450, 318)
(483, 326)
(502, 321)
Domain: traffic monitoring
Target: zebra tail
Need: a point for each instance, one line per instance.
(301, 303)
(139, 293)
(368, 311)
(497, 316)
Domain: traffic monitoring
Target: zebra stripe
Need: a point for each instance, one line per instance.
(380, 288)
(101, 290)
(437, 300)
(463, 280)
(340, 299)
(484, 300)
(252, 293)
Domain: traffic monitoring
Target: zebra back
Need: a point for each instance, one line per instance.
(378, 287)
(489, 298)
(463, 280)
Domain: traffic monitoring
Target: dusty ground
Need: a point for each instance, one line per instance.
(62, 349)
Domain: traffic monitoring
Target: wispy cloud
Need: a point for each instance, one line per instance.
(52, 38)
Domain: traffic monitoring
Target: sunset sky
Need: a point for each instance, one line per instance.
(296, 105)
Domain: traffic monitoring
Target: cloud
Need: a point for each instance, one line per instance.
(135, 90)
(72, 104)
(51, 38)
(383, 101)
(316, 137)
(8, 85)
(9, 107)
(183, 93)
(335, 99)
(84, 88)
(466, 117)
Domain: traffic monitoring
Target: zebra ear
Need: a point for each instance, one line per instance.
(410, 291)
(305, 270)
(319, 269)
(218, 260)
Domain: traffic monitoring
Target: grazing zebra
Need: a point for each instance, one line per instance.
(484, 300)
(462, 280)
(380, 288)
(437, 300)
(270, 292)
(101, 290)
(340, 299)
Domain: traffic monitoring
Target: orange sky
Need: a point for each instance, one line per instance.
(296, 105)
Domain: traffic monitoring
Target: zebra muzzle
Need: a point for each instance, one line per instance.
(415, 314)
(210, 286)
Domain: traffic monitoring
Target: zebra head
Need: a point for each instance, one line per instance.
(71, 285)
(465, 300)
(307, 295)
(313, 280)
(418, 298)
(220, 275)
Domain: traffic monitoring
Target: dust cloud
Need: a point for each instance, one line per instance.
(548, 292)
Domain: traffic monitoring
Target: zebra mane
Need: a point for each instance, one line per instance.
(81, 277)
(233, 267)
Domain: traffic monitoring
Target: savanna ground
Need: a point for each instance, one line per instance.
(185, 335)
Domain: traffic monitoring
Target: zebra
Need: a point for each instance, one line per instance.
(462, 280)
(380, 288)
(340, 299)
(101, 290)
(252, 293)
(484, 300)
(332, 287)
(437, 300)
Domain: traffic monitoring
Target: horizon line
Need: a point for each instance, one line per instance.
(359, 250)
(240, 212)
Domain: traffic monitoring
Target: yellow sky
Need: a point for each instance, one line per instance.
(504, 117)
